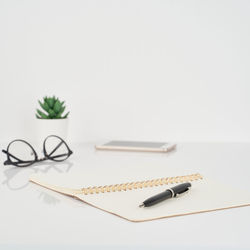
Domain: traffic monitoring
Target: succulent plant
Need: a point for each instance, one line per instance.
(53, 107)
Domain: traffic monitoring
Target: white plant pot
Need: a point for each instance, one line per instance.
(46, 127)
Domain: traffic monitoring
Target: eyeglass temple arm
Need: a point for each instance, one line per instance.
(10, 155)
(57, 156)
(55, 148)
(7, 153)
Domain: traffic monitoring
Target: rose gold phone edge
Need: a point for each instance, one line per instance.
(136, 149)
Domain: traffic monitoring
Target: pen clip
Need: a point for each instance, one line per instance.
(182, 193)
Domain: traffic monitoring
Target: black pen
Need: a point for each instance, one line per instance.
(167, 194)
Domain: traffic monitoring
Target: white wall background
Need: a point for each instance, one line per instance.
(132, 69)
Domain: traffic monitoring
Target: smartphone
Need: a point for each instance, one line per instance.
(142, 146)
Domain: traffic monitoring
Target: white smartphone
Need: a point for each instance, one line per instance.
(142, 146)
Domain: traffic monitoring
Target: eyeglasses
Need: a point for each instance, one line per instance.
(21, 154)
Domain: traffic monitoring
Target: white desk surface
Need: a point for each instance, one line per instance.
(31, 216)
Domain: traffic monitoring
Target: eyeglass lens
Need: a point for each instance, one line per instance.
(21, 153)
(56, 149)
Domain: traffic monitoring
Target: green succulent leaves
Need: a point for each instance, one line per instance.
(52, 109)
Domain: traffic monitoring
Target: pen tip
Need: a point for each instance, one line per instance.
(141, 205)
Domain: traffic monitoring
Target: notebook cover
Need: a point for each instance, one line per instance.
(204, 196)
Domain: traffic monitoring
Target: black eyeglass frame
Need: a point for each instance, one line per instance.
(46, 155)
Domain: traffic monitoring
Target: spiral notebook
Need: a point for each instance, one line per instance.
(123, 199)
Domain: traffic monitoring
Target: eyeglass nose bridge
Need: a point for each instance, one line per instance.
(42, 159)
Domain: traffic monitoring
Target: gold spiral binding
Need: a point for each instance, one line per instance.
(140, 184)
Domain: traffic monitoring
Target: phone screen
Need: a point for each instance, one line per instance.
(136, 144)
